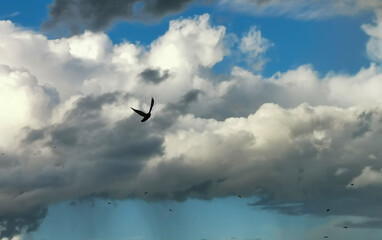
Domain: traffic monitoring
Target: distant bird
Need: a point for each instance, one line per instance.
(239, 196)
(352, 184)
(109, 203)
(327, 210)
(346, 227)
(326, 237)
(145, 116)
(170, 209)
(146, 193)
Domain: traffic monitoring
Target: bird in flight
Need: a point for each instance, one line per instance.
(170, 210)
(146, 193)
(145, 116)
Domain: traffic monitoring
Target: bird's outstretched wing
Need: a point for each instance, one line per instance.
(146, 118)
(140, 112)
(152, 104)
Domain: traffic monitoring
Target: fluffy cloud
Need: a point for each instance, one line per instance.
(71, 133)
(23, 102)
(254, 45)
(374, 45)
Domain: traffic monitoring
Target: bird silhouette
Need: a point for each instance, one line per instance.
(328, 209)
(145, 116)
(239, 196)
(170, 209)
(146, 193)
(326, 237)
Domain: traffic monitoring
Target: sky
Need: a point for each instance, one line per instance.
(267, 120)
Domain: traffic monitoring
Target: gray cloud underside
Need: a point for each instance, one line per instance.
(12, 225)
(115, 159)
(97, 15)
(154, 75)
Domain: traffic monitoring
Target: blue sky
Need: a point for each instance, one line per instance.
(288, 119)
(193, 219)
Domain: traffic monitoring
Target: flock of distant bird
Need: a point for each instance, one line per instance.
(146, 116)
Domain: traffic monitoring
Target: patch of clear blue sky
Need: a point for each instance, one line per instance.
(194, 219)
(31, 13)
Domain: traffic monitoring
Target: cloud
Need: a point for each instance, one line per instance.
(98, 15)
(66, 111)
(368, 177)
(23, 102)
(71, 133)
(11, 226)
(94, 15)
(254, 45)
(14, 14)
(376, 223)
(154, 76)
(374, 45)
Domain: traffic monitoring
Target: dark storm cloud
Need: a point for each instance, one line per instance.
(84, 117)
(363, 124)
(95, 158)
(308, 196)
(34, 135)
(90, 159)
(200, 189)
(97, 15)
(16, 224)
(154, 76)
(85, 129)
(185, 102)
(90, 106)
(173, 110)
